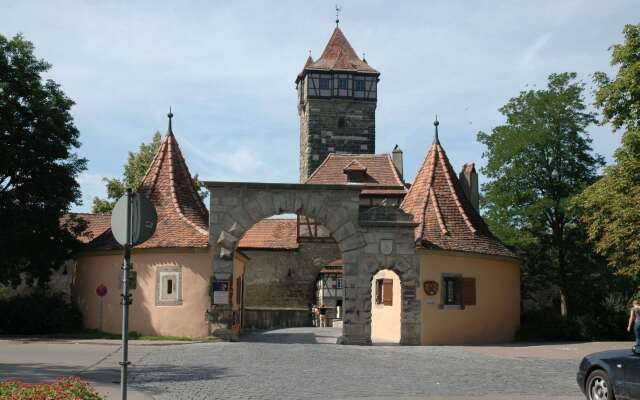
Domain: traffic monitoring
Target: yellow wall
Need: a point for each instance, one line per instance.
(385, 320)
(187, 319)
(496, 315)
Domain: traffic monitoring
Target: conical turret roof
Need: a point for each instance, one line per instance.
(446, 219)
(338, 55)
(182, 216)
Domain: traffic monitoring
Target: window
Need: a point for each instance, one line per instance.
(341, 122)
(339, 283)
(343, 83)
(168, 286)
(384, 292)
(325, 83)
(451, 290)
(359, 85)
(458, 291)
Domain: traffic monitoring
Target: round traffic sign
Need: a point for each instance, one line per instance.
(143, 219)
(101, 290)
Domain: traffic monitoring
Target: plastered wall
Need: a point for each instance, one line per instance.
(186, 319)
(496, 315)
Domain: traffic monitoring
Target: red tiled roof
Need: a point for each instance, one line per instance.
(338, 55)
(97, 224)
(381, 176)
(355, 166)
(280, 234)
(446, 219)
(182, 216)
(183, 220)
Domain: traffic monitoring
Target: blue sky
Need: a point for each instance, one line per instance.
(228, 71)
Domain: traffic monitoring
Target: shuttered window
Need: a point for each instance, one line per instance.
(384, 292)
(387, 292)
(469, 291)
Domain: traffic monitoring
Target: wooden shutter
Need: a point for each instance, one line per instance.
(469, 291)
(387, 292)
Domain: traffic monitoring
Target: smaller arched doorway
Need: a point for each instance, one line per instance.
(386, 307)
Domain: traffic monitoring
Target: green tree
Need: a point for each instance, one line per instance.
(612, 204)
(132, 175)
(536, 162)
(38, 166)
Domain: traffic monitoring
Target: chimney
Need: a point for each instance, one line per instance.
(396, 157)
(469, 183)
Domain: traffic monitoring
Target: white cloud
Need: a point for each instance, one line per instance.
(531, 54)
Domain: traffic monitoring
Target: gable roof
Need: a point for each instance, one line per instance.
(381, 176)
(271, 233)
(338, 55)
(446, 219)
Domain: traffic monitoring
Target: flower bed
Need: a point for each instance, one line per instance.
(60, 389)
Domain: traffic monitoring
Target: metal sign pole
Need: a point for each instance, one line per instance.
(126, 300)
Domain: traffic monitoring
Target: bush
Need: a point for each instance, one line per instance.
(61, 389)
(606, 323)
(38, 314)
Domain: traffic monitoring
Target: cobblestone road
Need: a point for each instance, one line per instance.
(286, 364)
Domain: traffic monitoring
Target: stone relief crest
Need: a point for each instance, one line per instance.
(386, 246)
(430, 288)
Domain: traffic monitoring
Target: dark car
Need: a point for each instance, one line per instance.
(610, 375)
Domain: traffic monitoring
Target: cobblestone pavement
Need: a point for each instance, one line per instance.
(290, 364)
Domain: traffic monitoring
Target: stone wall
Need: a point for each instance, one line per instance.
(334, 126)
(380, 238)
(280, 284)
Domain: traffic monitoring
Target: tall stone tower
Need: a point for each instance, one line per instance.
(337, 97)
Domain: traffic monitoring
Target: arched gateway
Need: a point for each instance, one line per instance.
(382, 237)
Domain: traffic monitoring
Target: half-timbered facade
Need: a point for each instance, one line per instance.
(337, 97)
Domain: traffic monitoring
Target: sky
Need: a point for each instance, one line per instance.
(227, 69)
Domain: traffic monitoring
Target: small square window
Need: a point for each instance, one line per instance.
(343, 83)
(325, 83)
(359, 85)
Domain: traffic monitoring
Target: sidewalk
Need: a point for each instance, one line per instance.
(38, 360)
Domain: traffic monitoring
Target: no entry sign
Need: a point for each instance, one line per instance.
(101, 290)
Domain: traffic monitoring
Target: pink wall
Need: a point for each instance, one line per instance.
(187, 319)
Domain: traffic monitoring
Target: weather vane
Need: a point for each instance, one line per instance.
(338, 9)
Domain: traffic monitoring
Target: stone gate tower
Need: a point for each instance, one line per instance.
(337, 96)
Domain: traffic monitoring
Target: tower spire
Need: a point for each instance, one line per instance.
(170, 115)
(435, 138)
(338, 9)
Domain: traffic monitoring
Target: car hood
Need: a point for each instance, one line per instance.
(609, 354)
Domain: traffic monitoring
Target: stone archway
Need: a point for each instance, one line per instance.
(383, 236)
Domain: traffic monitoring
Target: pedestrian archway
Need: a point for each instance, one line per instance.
(386, 307)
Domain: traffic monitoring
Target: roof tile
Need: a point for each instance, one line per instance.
(272, 233)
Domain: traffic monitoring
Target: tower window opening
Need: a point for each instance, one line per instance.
(325, 83)
(359, 85)
(343, 84)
